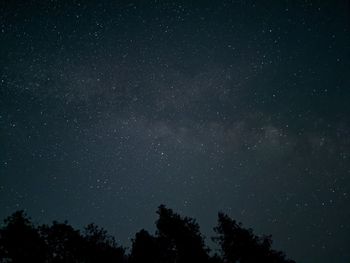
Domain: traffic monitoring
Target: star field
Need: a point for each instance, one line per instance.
(108, 109)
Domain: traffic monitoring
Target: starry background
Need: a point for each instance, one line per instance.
(110, 108)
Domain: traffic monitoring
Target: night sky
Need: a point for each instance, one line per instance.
(110, 108)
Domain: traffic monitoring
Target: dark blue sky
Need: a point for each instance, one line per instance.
(110, 108)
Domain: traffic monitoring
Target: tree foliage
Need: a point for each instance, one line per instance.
(177, 240)
(241, 245)
(20, 241)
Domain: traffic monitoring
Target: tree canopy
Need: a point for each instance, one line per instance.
(177, 239)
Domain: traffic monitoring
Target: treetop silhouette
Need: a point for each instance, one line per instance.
(177, 239)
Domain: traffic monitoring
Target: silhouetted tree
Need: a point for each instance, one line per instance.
(181, 237)
(241, 245)
(145, 248)
(20, 240)
(101, 247)
(177, 240)
(64, 243)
